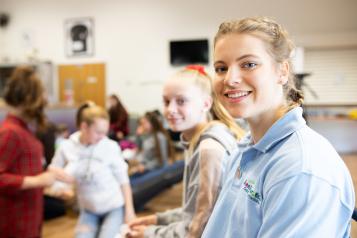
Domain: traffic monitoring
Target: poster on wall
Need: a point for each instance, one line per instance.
(79, 37)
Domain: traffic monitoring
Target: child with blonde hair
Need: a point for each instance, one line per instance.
(209, 134)
(102, 183)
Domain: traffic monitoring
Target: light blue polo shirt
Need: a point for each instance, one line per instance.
(292, 183)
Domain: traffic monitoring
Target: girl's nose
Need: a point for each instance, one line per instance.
(172, 107)
(233, 76)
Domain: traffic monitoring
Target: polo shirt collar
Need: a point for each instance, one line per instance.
(282, 128)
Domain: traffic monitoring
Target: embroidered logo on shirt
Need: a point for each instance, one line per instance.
(249, 188)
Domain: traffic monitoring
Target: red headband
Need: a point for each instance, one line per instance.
(198, 68)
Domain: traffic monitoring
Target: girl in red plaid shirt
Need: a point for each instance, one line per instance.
(21, 174)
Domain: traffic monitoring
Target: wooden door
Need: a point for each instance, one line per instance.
(79, 83)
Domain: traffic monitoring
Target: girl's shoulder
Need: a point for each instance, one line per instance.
(109, 144)
(220, 133)
(161, 135)
(218, 130)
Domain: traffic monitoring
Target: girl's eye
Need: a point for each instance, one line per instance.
(181, 101)
(166, 102)
(249, 65)
(220, 69)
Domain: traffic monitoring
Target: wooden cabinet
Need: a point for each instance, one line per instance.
(79, 83)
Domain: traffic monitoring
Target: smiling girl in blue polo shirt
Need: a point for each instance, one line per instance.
(289, 181)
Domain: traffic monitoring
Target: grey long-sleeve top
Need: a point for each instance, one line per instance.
(148, 156)
(202, 184)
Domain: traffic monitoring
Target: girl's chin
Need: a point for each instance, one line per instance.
(234, 112)
(238, 114)
(175, 128)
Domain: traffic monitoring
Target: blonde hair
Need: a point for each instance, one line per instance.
(217, 114)
(92, 112)
(278, 45)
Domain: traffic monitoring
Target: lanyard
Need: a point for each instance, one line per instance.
(88, 174)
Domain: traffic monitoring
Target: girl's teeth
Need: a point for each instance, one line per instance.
(237, 95)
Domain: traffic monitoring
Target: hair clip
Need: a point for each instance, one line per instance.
(198, 68)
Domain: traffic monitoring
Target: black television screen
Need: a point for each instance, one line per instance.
(189, 52)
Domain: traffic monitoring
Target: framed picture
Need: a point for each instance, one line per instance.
(79, 37)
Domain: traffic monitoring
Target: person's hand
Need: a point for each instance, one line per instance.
(60, 190)
(129, 216)
(143, 221)
(120, 135)
(141, 168)
(138, 232)
(61, 175)
(44, 179)
(66, 194)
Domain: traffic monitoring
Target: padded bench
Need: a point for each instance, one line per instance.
(148, 185)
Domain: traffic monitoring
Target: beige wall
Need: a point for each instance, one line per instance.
(132, 36)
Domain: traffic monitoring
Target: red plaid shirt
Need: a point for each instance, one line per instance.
(21, 211)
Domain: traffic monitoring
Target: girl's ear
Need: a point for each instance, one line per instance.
(207, 103)
(284, 73)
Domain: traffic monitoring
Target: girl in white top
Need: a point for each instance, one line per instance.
(102, 183)
(188, 99)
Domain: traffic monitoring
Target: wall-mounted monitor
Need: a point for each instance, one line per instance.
(186, 52)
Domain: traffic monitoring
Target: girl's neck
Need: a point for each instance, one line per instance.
(83, 140)
(18, 113)
(260, 124)
(189, 134)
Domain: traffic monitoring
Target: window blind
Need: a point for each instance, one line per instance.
(333, 76)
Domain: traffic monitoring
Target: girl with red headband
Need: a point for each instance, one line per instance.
(209, 133)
